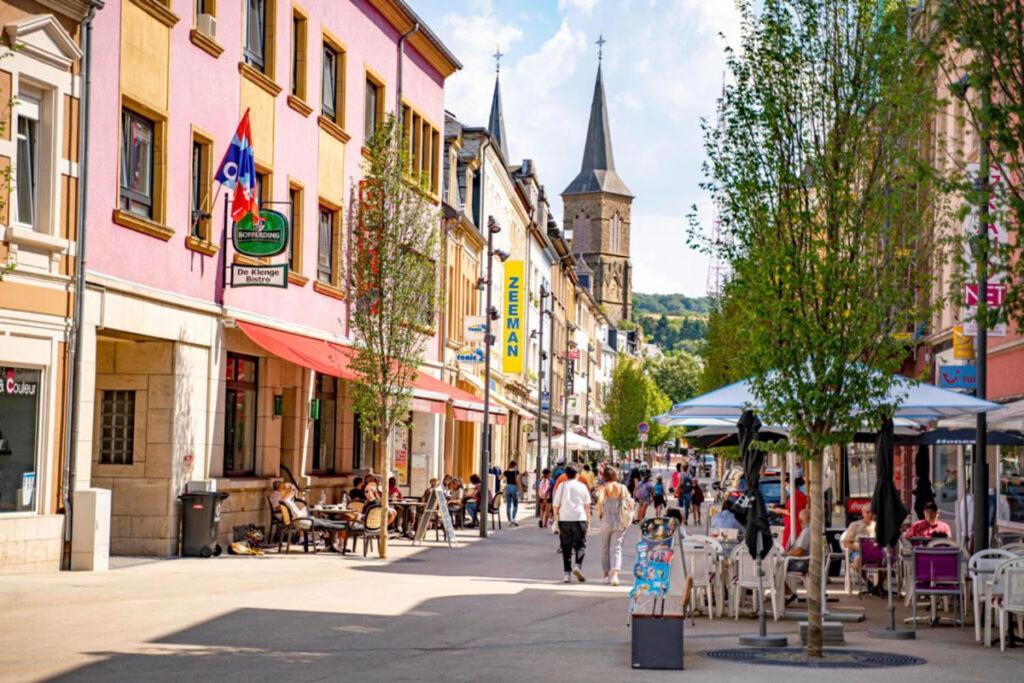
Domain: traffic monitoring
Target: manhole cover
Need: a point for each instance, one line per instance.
(833, 659)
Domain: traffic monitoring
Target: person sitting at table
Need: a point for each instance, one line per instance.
(726, 518)
(931, 526)
(372, 491)
(431, 485)
(357, 493)
(850, 540)
(282, 491)
(796, 569)
(472, 499)
(788, 532)
(393, 491)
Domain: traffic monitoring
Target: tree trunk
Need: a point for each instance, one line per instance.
(382, 539)
(817, 533)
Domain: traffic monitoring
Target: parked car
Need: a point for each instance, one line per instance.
(734, 486)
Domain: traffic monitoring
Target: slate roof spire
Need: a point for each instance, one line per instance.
(597, 172)
(496, 123)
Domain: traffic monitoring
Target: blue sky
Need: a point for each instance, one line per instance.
(663, 66)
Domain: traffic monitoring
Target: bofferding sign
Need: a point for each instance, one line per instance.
(268, 238)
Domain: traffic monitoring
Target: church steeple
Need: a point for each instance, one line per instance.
(496, 123)
(597, 172)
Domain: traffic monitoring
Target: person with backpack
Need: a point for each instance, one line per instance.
(643, 494)
(696, 499)
(685, 493)
(659, 496)
(615, 509)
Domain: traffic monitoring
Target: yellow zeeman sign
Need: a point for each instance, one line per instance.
(512, 335)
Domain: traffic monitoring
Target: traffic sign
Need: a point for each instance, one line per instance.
(642, 428)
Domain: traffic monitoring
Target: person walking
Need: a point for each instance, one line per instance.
(511, 477)
(696, 500)
(659, 496)
(610, 503)
(684, 493)
(572, 516)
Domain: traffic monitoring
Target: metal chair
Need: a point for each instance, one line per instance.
(872, 557)
(937, 572)
(494, 509)
(276, 526)
(981, 568)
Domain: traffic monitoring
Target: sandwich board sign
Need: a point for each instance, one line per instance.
(436, 507)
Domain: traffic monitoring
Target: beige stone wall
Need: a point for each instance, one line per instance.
(31, 543)
(169, 379)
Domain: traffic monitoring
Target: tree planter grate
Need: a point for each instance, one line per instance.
(833, 659)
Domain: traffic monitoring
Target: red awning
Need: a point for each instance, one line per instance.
(325, 357)
(430, 395)
(466, 415)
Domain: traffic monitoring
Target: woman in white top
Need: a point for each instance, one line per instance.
(609, 503)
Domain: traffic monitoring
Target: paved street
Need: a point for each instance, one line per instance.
(493, 610)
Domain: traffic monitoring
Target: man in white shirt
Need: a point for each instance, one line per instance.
(572, 513)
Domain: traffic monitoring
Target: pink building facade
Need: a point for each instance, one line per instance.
(188, 378)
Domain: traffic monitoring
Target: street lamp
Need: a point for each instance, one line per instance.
(567, 389)
(491, 315)
(541, 357)
(980, 252)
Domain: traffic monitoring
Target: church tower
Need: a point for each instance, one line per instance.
(597, 211)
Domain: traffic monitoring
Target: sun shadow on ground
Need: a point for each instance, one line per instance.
(439, 638)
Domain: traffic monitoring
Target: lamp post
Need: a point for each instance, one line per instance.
(979, 468)
(541, 357)
(491, 315)
(566, 390)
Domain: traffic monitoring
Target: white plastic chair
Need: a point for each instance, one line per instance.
(981, 568)
(1015, 548)
(702, 568)
(1007, 598)
(746, 578)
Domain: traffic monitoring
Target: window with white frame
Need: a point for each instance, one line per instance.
(26, 178)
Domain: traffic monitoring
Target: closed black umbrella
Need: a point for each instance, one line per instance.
(889, 513)
(923, 493)
(758, 527)
(886, 504)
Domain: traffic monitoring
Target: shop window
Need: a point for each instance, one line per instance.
(19, 422)
(254, 51)
(26, 179)
(137, 142)
(117, 428)
(364, 451)
(241, 378)
(325, 425)
(1010, 501)
(325, 247)
(299, 28)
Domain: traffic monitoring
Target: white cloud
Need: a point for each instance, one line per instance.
(585, 6)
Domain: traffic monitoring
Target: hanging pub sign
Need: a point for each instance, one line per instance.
(511, 338)
(471, 355)
(269, 238)
(259, 276)
(476, 328)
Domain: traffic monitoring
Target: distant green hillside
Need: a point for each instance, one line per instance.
(669, 304)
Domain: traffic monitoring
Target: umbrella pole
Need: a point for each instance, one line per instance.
(891, 632)
(762, 639)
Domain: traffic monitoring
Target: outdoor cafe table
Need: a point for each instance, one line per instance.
(406, 508)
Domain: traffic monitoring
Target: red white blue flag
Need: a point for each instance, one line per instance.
(237, 172)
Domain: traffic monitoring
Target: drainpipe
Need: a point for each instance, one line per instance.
(75, 347)
(401, 55)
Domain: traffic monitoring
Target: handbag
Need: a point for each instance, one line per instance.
(627, 510)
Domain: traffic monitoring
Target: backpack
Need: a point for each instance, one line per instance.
(627, 511)
(685, 485)
(659, 490)
(543, 487)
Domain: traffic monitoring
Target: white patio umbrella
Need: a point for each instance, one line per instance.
(916, 401)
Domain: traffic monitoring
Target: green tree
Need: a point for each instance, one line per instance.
(662, 335)
(822, 191)
(982, 61)
(393, 294)
(625, 405)
(657, 403)
(677, 375)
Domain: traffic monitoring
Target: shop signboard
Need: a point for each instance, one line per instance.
(513, 351)
(963, 346)
(475, 328)
(957, 377)
(259, 276)
(402, 466)
(545, 400)
(470, 355)
(997, 235)
(267, 238)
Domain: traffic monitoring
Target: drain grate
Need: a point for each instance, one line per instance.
(833, 659)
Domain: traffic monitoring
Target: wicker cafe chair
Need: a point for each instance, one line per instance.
(371, 526)
(277, 526)
(292, 524)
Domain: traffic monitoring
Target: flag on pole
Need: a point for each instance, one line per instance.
(237, 172)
